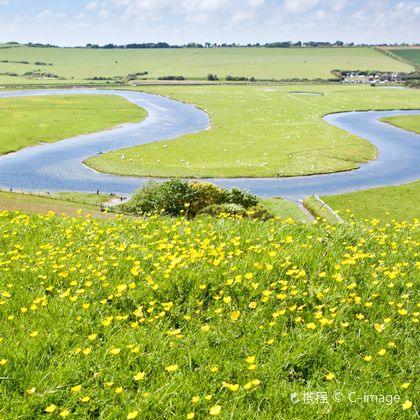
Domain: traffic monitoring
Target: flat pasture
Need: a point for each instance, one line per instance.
(77, 65)
(27, 121)
(261, 131)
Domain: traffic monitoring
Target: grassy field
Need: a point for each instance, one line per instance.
(29, 121)
(285, 209)
(76, 65)
(412, 55)
(406, 122)
(400, 202)
(263, 131)
(231, 318)
(68, 203)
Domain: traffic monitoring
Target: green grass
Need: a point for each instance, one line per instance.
(62, 202)
(84, 198)
(406, 122)
(29, 121)
(76, 65)
(400, 202)
(285, 209)
(319, 210)
(260, 131)
(412, 55)
(246, 313)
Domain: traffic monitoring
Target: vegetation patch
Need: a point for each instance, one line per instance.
(401, 202)
(182, 198)
(260, 131)
(232, 318)
(78, 64)
(30, 120)
(406, 122)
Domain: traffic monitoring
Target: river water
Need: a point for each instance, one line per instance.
(58, 166)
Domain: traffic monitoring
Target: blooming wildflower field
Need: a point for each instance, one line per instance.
(159, 318)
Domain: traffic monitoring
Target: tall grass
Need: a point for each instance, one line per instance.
(168, 318)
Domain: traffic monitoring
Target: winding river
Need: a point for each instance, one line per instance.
(58, 166)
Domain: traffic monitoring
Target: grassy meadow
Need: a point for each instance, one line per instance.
(76, 64)
(406, 122)
(60, 203)
(260, 131)
(29, 121)
(399, 202)
(212, 318)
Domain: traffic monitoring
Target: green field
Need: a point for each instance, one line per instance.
(400, 202)
(406, 122)
(412, 55)
(62, 202)
(261, 131)
(168, 318)
(77, 65)
(29, 121)
(285, 209)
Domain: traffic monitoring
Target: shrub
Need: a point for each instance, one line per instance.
(178, 197)
(260, 213)
(242, 197)
(172, 198)
(207, 194)
(255, 212)
(218, 209)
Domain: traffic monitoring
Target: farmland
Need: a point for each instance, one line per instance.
(260, 131)
(170, 317)
(76, 65)
(411, 55)
(29, 121)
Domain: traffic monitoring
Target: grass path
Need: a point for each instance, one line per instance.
(31, 120)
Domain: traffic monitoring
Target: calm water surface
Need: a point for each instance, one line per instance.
(58, 166)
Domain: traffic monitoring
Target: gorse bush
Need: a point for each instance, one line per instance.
(178, 197)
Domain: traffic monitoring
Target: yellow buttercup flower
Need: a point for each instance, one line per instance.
(215, 410)
(50, 408)
(139, 376)
(235, 315)
(132, 415)
(330, 376)
(407, 405)
(171, 368)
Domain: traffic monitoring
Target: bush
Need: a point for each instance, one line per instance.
(207, 194)
(218, 209)
(255, 212)
(260, 213)
(242, 197)
(172, 198)
(177, 197)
